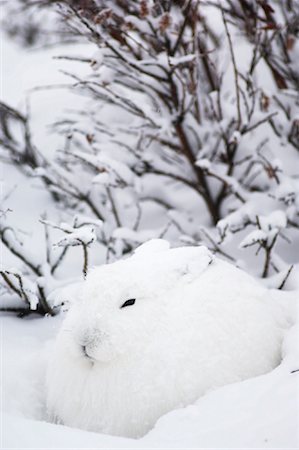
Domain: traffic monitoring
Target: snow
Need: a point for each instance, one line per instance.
(82, 236)
(97, 59)
(253, 238)
(151, 247)
(277, 220)
(26, 286)
(136, 236)
(204, 163)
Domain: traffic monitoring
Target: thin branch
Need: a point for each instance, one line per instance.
(236, 73)
(281, 286)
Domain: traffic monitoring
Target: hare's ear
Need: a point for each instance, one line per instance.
(193, 268)
(151, 247)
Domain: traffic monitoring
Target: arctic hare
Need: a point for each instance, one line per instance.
(154, 332)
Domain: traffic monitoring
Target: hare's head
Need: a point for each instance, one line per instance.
(125, 302)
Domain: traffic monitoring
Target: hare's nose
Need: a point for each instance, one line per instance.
(85, 352)
(89, 337)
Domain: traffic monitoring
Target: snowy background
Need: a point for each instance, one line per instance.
(112, 156)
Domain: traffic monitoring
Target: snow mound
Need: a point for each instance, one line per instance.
(156, 331)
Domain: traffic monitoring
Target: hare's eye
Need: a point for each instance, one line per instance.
(129, 302)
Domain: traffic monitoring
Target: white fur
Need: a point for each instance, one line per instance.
(197, 323)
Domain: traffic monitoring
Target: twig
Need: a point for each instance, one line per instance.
(235, 69)
(281, 286)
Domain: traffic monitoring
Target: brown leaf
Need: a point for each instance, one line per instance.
(270, 26)
(290, 41)
(165, 22)
(144, 9)
(264, 102)
(90, 138)
(103, 16)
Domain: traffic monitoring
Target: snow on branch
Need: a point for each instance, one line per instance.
(81, 233)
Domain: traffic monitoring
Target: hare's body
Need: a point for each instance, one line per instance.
(197, 323)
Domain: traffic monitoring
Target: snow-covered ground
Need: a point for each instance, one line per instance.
(257, 413)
